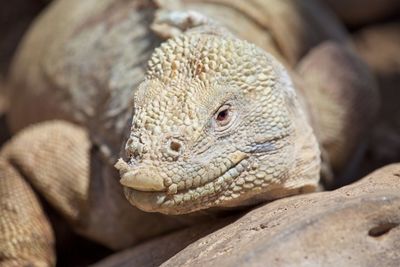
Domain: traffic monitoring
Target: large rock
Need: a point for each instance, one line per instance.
(357, 225)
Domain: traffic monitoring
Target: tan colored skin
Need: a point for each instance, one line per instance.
(87, 59)
(186, 156)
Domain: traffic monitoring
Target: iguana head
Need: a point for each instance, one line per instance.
(216, 124)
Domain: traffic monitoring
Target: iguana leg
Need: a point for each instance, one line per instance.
(52, 158)
(26, 238)
(343, 100)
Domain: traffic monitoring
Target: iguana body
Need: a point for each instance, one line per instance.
(87, 66)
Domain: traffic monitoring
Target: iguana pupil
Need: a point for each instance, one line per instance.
(222, 115)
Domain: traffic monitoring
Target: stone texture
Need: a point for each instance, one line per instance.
(4, 132)
(357, 225)
(158, 250)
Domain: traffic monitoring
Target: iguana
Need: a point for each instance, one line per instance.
(217, 121)
(213, 120)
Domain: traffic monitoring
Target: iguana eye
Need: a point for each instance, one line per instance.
(223, 117)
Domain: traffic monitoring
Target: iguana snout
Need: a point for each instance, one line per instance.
(216, 124)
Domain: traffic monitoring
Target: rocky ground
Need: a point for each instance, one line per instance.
(298, 224)
(363, 231)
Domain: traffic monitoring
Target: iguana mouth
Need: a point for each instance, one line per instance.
(149, 178)
(177, 202)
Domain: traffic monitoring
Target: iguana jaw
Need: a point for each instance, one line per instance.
(189, 199)
(148, 188)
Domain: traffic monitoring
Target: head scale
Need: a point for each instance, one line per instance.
(216, 124)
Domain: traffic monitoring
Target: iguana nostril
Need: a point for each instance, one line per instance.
(175, 146)
(172, 149)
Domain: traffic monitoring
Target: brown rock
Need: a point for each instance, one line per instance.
(157, 251)
(357, 225)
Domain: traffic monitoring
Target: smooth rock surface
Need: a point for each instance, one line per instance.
(357, 225)
(158, 250)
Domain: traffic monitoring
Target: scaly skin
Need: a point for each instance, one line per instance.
(183, 156)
